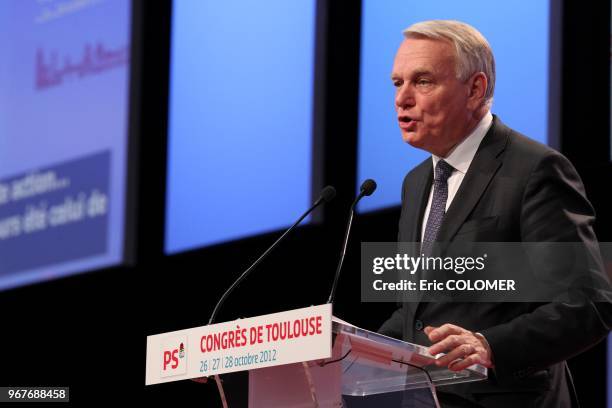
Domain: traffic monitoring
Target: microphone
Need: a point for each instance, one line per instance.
(366, 189)
(327, 194)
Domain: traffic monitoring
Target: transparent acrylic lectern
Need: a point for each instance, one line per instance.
(366, 369)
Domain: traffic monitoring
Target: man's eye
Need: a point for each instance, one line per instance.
(397, 84)
(423, 82)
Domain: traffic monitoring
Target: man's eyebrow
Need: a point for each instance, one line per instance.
(414, 74)
(422, 71)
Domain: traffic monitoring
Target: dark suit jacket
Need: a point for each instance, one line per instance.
(515, 190)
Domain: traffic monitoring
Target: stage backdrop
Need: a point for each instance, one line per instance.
(240, 118)
(63, 136)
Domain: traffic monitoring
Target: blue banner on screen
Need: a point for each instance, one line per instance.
(240, 114)
(63, 136)
(519, 35)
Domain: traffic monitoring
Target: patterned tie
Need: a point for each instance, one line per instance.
(438, 205)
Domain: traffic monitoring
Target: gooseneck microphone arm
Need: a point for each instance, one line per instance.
(366, 189)
(327, 194)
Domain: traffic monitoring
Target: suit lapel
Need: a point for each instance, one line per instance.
(415, 201)
(482, 169)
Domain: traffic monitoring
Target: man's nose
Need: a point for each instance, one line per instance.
(404, 97)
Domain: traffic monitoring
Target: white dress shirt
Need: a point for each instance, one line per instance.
(460, 157)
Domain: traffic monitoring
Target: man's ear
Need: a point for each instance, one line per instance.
(477, 88)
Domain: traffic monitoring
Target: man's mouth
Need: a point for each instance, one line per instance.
(407, 122)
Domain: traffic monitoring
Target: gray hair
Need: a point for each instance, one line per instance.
(473, 52)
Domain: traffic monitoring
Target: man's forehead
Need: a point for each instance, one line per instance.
(425, 48)
(426, 42)
(423, 55)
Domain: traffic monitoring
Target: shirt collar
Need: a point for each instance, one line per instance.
(460, 157)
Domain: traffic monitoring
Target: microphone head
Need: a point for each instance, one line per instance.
(327, 194)
(368, 187)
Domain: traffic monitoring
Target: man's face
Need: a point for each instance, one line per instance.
(434, 108)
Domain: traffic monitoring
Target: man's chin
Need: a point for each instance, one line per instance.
(412, 139)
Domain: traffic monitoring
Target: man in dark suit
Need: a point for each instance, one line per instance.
(487, 183)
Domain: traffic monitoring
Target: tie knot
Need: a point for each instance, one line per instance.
(443, 171)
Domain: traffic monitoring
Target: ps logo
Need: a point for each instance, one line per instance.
(174, 356)
(170, 356)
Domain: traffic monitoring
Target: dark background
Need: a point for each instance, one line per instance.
(89, 331)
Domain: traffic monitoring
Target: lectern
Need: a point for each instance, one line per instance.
(362, 369)
(366, 369)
